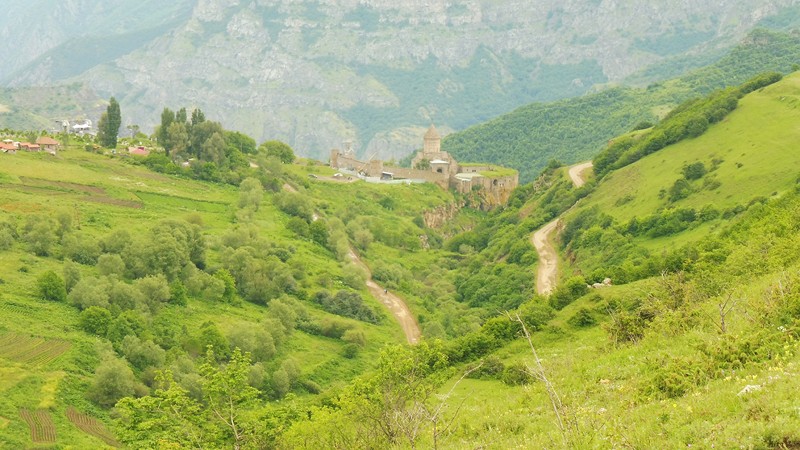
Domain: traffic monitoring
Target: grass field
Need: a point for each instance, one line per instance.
(754, 149)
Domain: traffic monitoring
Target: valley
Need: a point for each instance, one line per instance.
(629, 278)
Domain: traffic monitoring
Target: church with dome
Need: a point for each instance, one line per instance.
(432, 165)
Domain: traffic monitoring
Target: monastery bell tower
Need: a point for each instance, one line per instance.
(433, 142)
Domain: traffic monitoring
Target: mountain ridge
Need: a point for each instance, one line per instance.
(290, 71)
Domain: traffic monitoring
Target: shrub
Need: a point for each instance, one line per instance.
(516, 375)
(491, 368)
(95, 320)
(694, 171)
(51, 287)
(113, 380)
(582, 318)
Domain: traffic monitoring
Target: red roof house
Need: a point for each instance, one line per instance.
(49, 144)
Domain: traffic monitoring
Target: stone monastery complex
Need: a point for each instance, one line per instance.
(433, 165)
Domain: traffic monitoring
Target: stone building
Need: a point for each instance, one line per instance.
(432, 165)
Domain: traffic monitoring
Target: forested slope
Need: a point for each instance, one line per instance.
(575, 129)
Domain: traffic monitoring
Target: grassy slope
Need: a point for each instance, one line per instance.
(26, 187)
(607, 389)
(755, 145)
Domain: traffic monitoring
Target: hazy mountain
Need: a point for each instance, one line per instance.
(317, 73)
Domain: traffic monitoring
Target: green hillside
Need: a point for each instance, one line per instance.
(697, 347)
(117, 281)
(575, 129)
(153, 268)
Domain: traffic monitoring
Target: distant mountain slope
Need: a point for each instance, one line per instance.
(575, 129)
(315, 74)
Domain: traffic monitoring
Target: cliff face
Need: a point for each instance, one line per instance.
(436, 218)
(317, 73)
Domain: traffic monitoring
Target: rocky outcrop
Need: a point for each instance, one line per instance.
(438, 216)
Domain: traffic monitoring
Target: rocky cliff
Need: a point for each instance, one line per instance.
(316, 73)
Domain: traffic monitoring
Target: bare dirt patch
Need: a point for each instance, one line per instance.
(38, 182)
(578, 171)
(114, 202)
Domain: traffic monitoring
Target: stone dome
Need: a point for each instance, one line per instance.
(432, 133)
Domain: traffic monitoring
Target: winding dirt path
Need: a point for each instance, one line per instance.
(577, 170)
(395, 304)
(547, 271)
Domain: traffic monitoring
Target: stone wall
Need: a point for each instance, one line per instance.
(492, 191)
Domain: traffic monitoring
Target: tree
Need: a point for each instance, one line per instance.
(39, 234)
(113, 380)
(176, 139)
(167, 118)
(198, 117)
(241, 142)
(250, 193)
(95, 320)
(72, 274)
(228, 394)
(109, 264)
(110, 121)
(89, 292)
(278, 149)
(51, 287)
(170, 418)
(213, 150)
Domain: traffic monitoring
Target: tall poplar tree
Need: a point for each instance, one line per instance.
(110, 121)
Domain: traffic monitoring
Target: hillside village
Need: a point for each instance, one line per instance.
(42, 144)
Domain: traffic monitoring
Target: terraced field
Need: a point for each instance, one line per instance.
(31, 350)
(91, 426)
(40, 423)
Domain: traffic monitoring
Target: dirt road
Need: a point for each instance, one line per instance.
(395, 304)
(577, 170)
(547, 271)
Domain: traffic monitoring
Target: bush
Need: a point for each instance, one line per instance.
(568, 292)
(582, 318)
(95, 320)
(51, 287)
(350, 351)
(694, 171)
(347, 304)
(491, 368)
(113, 380)
(516, 375)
